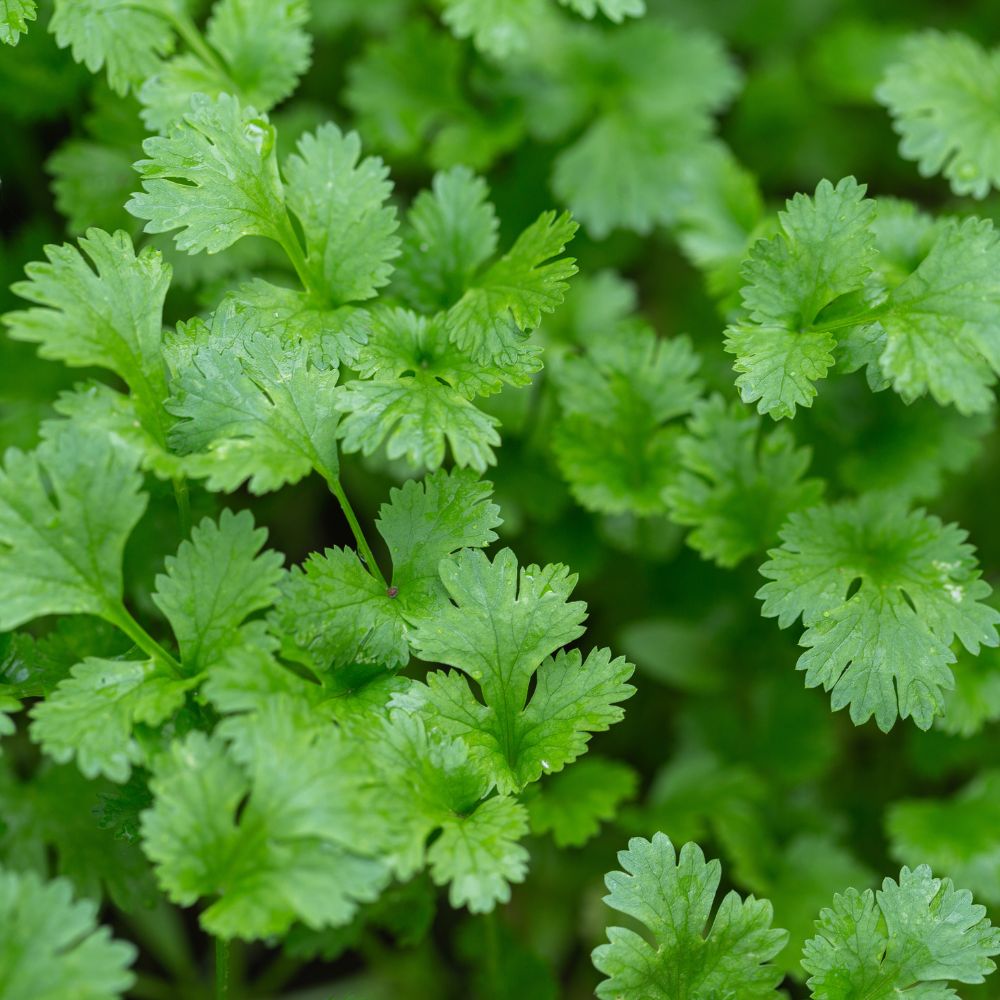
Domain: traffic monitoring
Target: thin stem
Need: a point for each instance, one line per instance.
(221, 969)
(183, 498)
(188, 31)
(276, 976)
(122, 618)
(359, 536)
(289, 242)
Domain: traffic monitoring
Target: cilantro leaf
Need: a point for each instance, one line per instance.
(62, 546)
(91, 715)
(500, 629)
(252, 409)
(433, 786)
(449, 233)
(303, 845)
(956, 835)
(509, 298)
(615, 443)
(218, 578)
(339, 613)
(499, 27)
(52, 946)
(128, 40)
(941, 94)
(738, 484)
(340, 201)
(102, 306)
(14, 18)
(919, 930)
(672, 896)
(214, 177)
(417, 394)
(882, 592)
(265, 49)
(975, 699)
(615, 10)
(571, 804)
(825, 249)
(940, 326)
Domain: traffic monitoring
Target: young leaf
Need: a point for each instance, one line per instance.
(825, 249)
(252, 409)
(738, 484)
(129, 40)
(214, 177)
(450, 232)
(510, 297)
(418, 390)
(215, 582)
(340, 201)
(920, 930)
(882, 593)
(304, 844)
(941, 95)
(63, 542)
(955, 835)
(52, 946)
(14, 18)
(338, 613)
(615, 444)
(672, 896)
(500, 629)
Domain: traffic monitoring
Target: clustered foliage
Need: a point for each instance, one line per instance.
(344, 369)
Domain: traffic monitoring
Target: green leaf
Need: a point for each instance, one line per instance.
(957, 835)
(572, 804)
(498, 28)
(214, 177)
(66, 511)
(508, 300)
(882, 593)
(417, 391)
(615, 444)
(14, 18)
(91, 715)
(433, 786)
(253, 410)
(500, 629)
(881, 944)
(975, 700)
(103, 309)
(339, 613)
(672, 896)
(52, 946)
(303, 846)
(265, 48)
(825, 249)
(340, 200)
(941, 94)
(615, 10)
(129, 40)
(738, 484)
(450, 232)
(217, 580)
(941, 333)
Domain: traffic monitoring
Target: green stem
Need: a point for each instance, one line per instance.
(359, 536)
(221, 969)
(192, 37)
(183, 498)
(852, 320)
(122, 619)
(289, 242)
